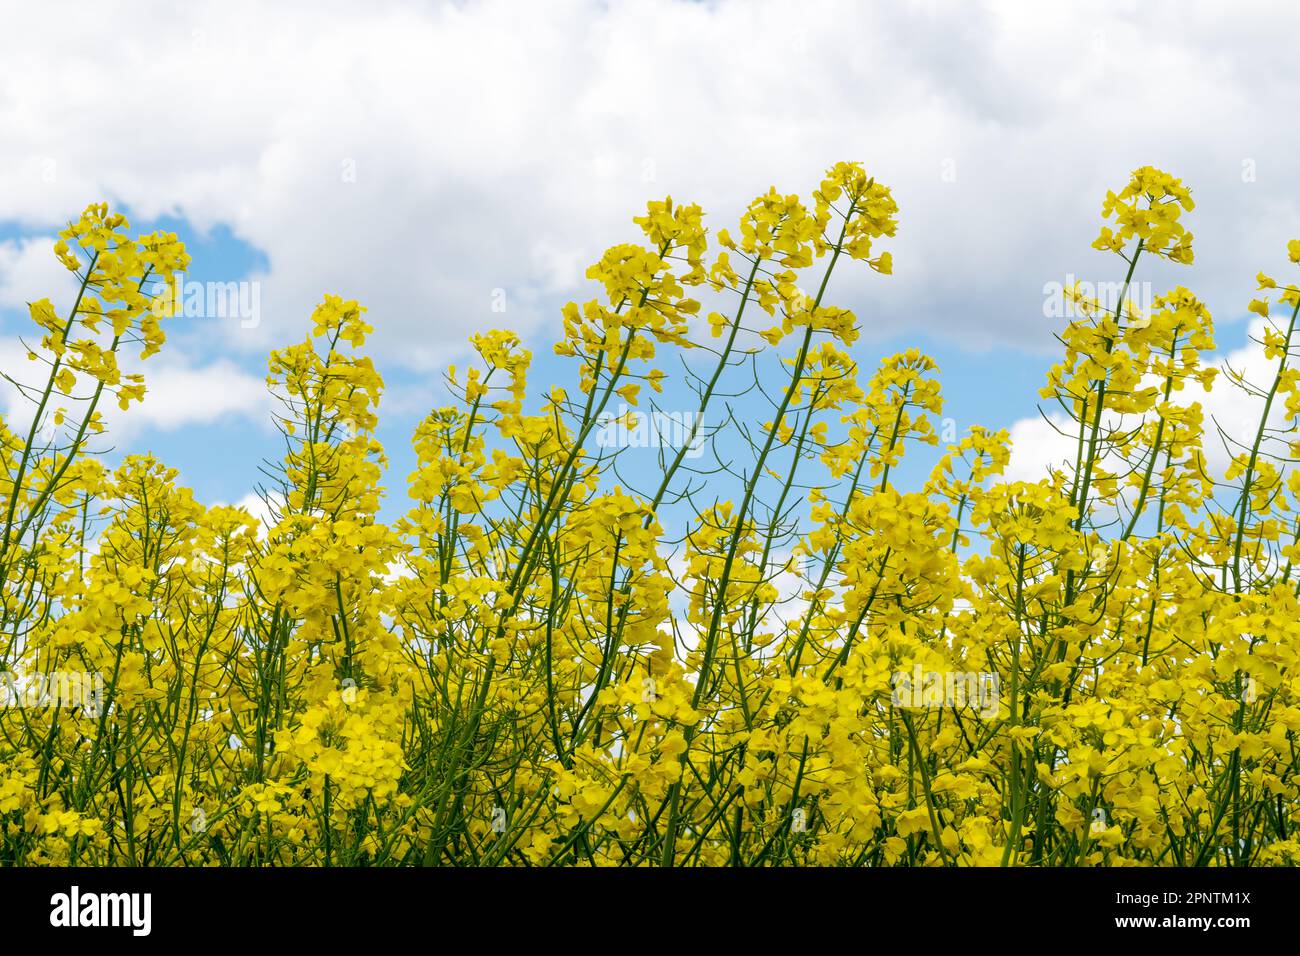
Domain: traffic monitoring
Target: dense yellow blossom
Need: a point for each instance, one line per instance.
(775, 655)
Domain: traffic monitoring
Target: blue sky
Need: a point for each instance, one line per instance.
(423, 159)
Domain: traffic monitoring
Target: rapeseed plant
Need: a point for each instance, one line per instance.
(540, 663)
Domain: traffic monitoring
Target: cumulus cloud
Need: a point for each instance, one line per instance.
(1040, 445)
(29, 272)
(420, 158)
(261, 506)
(178, 394)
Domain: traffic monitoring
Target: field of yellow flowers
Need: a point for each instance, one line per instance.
(538, 665)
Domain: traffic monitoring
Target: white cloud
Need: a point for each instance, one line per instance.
(503, 145)
(178, 395)
(29, 272)
(1039, 445)
(260, 506)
